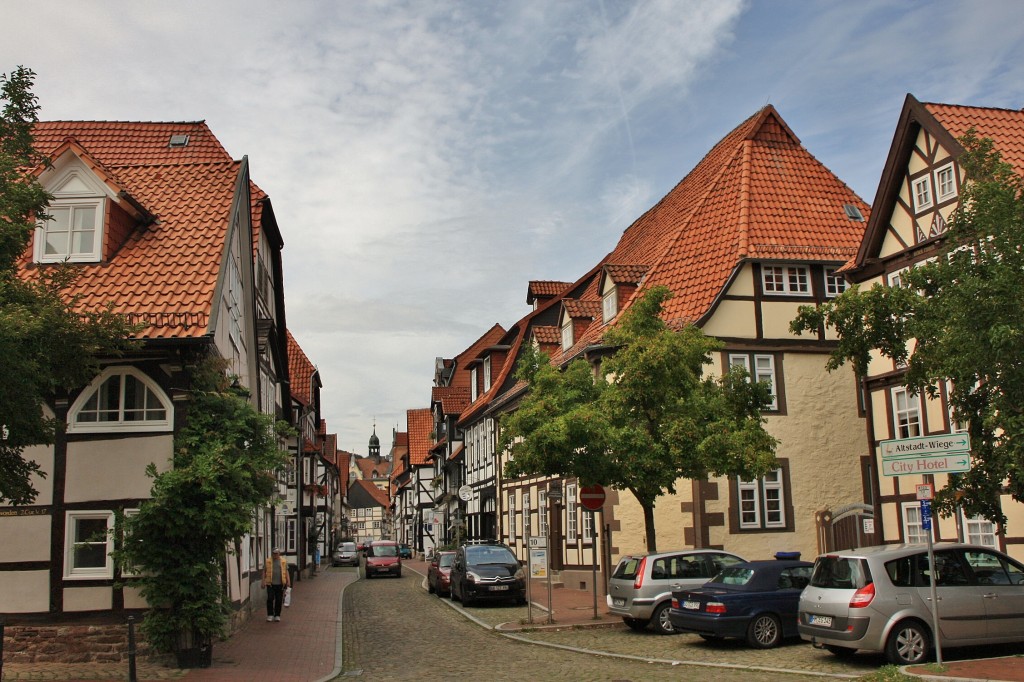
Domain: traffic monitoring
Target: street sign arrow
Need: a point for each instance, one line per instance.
(925, 445)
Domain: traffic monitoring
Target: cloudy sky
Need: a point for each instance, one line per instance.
(427, 159)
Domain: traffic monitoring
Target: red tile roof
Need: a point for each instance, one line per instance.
(164, 275)
(1005, 127)
(372, 491)
(544, 289)
(547, 334)
(453, 399)
(420, 424)
(626, 274)
(301, 371)
(758, 194)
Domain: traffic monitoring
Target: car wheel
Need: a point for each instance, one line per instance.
(907, 643)
(840, 651)
(466, 599)
(662, 624)
(430, 588)
(451, 593)
(764, 632)
(635, 623)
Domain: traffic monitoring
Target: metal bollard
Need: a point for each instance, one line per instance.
(132, 677)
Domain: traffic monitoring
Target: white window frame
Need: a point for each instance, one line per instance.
(74, 208)
(511, 517)
(72, 572)
(126, 571)
(906, 413)
(786, 280)
(473, 392)
(570, 512)
(487, 373)
(835, 283)
(120, 424)
(291, 535)
(542, 512)
(913, 530)
(610, 304)
(762, 502)
(921, 189)
(588, 526)
(943, 189)
(567, 334)
(980, 531)
(527, 513)
(763, 370)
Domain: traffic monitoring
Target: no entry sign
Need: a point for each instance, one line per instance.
(592, 497)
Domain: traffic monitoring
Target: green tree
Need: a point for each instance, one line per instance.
(47, 345)
(957, 318)
(225, 457)
(652, 419)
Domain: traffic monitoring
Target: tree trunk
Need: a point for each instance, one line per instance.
(652, 540)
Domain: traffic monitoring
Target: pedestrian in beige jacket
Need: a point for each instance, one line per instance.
(275, 579)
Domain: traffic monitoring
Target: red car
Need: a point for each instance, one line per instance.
(439, 573)
(381, 558)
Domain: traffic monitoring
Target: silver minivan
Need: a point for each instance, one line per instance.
(640, 589)
(879, 599)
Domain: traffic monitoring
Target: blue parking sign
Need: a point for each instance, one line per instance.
(926, 515)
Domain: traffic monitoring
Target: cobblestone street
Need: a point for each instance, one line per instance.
(394, 630)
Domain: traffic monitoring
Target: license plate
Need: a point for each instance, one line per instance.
(692, 605)
(499, 588)
(618, 602)
(823, 621)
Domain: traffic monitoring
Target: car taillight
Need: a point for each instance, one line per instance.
(863, 596)
(638, 583)
(675, 603)
(714, 607)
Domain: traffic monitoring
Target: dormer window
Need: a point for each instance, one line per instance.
(567, 336)
(610, 304)
(77, 213)
(473, 392)
(74, 231)
(487, 373)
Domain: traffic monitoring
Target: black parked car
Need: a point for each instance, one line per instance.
(487, 571)
(756, 601)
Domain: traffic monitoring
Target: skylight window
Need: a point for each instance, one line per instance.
(853, 213)
(178, 140)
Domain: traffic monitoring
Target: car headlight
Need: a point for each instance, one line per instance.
(520, 574)
(472, 577)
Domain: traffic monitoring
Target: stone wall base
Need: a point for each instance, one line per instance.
(85, 643)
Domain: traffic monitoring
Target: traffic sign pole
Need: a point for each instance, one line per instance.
(926, 526)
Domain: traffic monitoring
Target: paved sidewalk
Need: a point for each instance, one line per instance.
(303, 647)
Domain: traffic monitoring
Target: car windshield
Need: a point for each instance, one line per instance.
(734, 575)
(840, 573)
(384, 550)
(489, 555)
(348, 547)
(446, 560)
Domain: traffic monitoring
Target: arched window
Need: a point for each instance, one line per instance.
(121, 398)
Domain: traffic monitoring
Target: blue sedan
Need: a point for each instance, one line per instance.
(756, 601)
